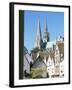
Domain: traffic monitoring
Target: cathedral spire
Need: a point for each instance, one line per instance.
(38, 41)
(46, 33)
(39, 30)
(45, 27)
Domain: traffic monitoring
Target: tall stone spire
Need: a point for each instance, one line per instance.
(46, 34)
(45, 27)
(38, 41)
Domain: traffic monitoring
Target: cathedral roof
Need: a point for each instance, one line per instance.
(50, 44)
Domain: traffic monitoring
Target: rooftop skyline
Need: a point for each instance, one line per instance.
(54, 21)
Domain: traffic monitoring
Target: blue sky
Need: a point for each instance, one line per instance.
(55, 25)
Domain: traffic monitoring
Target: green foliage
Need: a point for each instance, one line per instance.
(37, 72)
(35, 50)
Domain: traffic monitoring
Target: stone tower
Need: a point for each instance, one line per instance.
(38, 40)
(46, 37)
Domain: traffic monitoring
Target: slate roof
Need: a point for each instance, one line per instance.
(39, 63)
(27, 56)
(25, 50)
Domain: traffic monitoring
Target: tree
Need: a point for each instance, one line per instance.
(35, 50)
(37, 72)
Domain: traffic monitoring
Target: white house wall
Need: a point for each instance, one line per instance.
(44, 60)
(50, 67)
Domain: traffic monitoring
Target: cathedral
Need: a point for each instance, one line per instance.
(50, 52)
(47, 56)
(39, 42)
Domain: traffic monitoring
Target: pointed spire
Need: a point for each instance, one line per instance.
(46, 33)
(38, 29)
(38, 41)
(45, 27)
